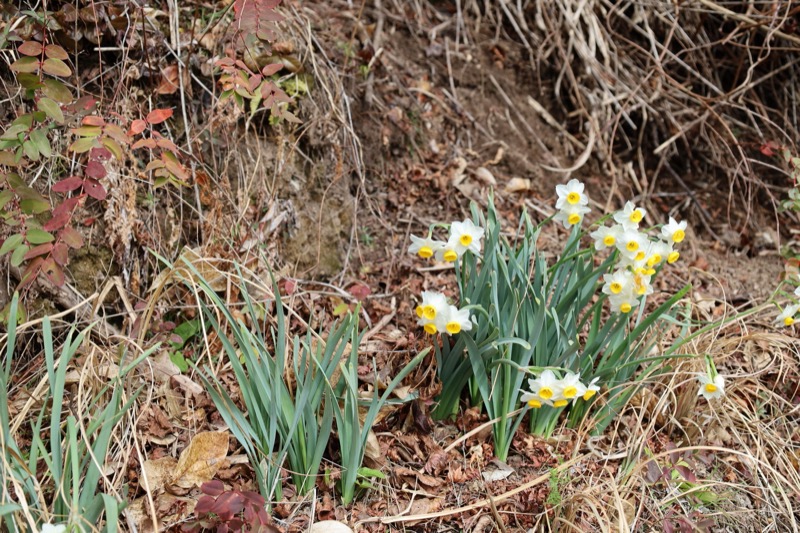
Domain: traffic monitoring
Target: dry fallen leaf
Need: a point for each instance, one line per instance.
(518, 185)
(158, 472)
(200, 460)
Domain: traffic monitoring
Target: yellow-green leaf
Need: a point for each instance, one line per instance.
(56, 90)
(11, 244)
(25, 64)
(56, 67)
(19, 254)
(39, 236)
(51, 109)
(39, 139)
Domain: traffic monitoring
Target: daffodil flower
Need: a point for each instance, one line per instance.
(787, 316)
(458, 320)
(630, 216)
(424, 247)
(711, 387)
(617, 283)
(797, 292)
(571, 194)
(674, 231)
(571, 214)
(533, 400)
(623, 303)
(606, 237)
(433, 304)
(589, 390)
(571, 385)
(546, 387)
(465, 236)
(631, 243)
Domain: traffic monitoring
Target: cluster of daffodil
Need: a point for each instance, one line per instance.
(788, 316)
(547, 389)
(434, 313)
(639, 254)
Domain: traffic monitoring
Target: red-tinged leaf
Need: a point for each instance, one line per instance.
(254, 498)
(56, 52)
(93, 120)
(71, 237)
(89, 221)
(175, 168)
(212, 488)
(289, 286)
(144, 143)
(225, 62)
(7, 158)
(25, 64)
(96, 170)
(360, 291)
(154, 165)
(36, 251)
(57, 222)
(30, 273)
(166, 144)
(94, 189)
(68, 184)
(137, 127)
(157, 116)
(56, 67)
(116, 133)
(30, 48)
(85, 103)
(271, 69)
(228, 503)
(53, 272)
(204, 505)
(68, 205)
(61, 254)
(100, 154)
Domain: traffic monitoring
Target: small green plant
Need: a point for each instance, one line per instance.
(347, 403)
(67, 454)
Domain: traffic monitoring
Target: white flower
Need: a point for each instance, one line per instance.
(632, 244)
(53, 528)
(546, 387)
(711, 388)
(571, 194)
(465, 236)
(571, 385)
(587, 391)
(630, 216)
(457, 320)
(658, 252)
(623, 302)
(424, 247)
(787, 315)
(617, 283)
(533, 401)
(432, 311)
(797, 292)
(606, 237)
(571, 214)
(674, 232)
(641, 283)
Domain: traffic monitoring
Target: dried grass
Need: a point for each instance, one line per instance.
(669, 91)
